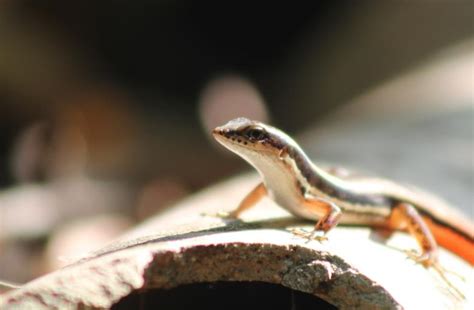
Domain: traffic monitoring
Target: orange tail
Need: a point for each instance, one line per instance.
(452, 240)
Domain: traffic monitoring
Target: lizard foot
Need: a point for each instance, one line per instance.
(425, 259)
(428, 260)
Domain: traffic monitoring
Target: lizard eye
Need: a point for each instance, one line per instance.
(256, 133)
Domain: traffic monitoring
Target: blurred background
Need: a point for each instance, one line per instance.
(106, 106)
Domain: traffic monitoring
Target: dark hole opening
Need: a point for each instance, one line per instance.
(223, 295)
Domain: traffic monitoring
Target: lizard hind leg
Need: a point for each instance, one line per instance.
(405, 216)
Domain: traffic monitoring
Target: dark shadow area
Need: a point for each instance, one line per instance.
(223, 295)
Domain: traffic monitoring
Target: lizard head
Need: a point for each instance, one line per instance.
(251, 139)
(269, 150)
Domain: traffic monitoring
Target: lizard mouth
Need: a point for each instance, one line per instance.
(232, 139)
(228, 136)
(216, 131)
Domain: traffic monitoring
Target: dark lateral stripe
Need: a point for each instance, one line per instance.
(331, 189)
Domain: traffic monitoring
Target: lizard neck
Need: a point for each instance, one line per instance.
(309, 175)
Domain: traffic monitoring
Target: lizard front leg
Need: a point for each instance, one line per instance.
(249, 201)
(330, 216)
(328, 221)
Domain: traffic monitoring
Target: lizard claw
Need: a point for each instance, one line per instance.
(309, 235)
(320, 238)
(220, 214)
(425, 259)
(315, 235)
